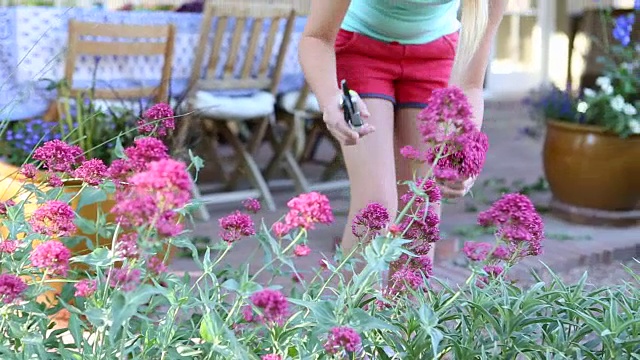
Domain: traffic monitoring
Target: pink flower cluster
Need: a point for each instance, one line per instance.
(305, 210)
(58, 156)
(159, 117)
(143, 151)
(456, 147)
(235, 226)
(4, 205)
(252, 205)
(428, 187)
(125, 278)
(520, 232)
(272, 305)
(370, 220)
(271, 357)
(53, 218)
(153, 195)
(342, 338)
(93, 172)
(11, 288)
(518, 224)
(85, 288)
(52, 256)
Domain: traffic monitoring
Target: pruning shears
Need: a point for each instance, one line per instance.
(350, 106)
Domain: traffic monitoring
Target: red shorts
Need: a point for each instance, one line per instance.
(403, 74)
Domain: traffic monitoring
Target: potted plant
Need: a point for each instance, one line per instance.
(68, 160)
(592, 142)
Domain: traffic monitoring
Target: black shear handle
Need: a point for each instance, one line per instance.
(349, 107)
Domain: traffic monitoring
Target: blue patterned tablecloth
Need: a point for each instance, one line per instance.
(32, 49)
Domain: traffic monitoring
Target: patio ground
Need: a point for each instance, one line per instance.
(513, 163)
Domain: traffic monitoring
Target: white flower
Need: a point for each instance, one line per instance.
(589, 92)
(603, 82)
(634, 126)
(617, 103)
(582, 107)
(629, 109)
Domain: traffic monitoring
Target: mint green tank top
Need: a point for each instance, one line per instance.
(403, 21)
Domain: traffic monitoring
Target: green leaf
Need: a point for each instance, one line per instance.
(85, 225)
(126, 306)
(362, 321)
(91, 195)
(197, 161)
(100, 257)
(207, 328)
(75, 328)
(118, 150)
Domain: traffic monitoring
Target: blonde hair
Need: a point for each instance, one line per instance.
(474, 19)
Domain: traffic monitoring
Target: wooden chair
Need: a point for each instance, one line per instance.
(301, 108)
(120, 40)
(239, 87)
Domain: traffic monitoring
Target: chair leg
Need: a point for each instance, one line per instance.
(249, 164)
(313, 138)
(284, 155)
(254, 143)
(210, 140)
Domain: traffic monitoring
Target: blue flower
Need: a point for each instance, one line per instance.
(623, 28)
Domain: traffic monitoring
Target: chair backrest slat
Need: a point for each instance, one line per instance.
(254, 40)
(238, 70)
(233, 49)
(121, 40)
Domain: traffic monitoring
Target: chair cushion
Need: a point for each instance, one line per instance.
(252, 106)
(288, 102)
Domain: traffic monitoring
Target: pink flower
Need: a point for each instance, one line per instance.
(159, 117)
(305, 210)
(134, 209)
(236, 226)
(501, 253)
(493, 270)
(273, 306)
(125, 278)
(59, 156)
(342, 337)
(11, 288)
(271, 357)
(168, 180)
(422, 227)
(251, 205)
(127, 246)
(55, 181)
(411, 153)
(53, 218)
(518, 224)
(463, 158)
(51, 256)
(280, 229)
(407, 278)
(301, 250)
(119, 169)
(85, 288)
(92, 172)
(169, 224)
(448, 113)
(324, 264)
(156, 266)
(145, 150)
(297, 278)
(429, 187)
(370, 220)
(29, 171)
(8, 246)
(6, 204)
(476, 251)
(395, 229)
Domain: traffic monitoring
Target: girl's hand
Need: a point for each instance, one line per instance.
(456, 189)
(333, 117)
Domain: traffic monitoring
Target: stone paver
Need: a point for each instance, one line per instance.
(511, 156)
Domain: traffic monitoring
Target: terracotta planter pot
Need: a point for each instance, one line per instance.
(590, 168)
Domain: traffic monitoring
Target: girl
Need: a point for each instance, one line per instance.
(393, 53)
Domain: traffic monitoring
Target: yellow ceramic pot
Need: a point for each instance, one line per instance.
(590, 168)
